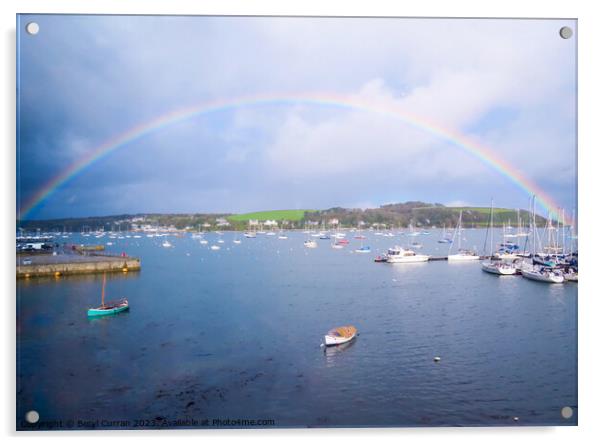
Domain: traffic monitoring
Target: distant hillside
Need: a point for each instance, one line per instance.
(421, 214)
(418, 214)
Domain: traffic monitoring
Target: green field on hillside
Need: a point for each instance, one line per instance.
(277, 215)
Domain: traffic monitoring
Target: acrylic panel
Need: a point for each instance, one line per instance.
(269, 222)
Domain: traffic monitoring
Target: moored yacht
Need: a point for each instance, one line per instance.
(499, 268)
(310, 244)
(463, 254)
(544, 274)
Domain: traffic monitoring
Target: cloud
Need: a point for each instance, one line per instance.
(507, 84)
(458, 203)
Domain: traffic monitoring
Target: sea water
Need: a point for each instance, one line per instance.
(236, 334)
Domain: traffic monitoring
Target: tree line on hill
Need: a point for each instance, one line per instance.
(400, 215)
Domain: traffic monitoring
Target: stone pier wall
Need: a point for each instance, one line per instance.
(113, 264)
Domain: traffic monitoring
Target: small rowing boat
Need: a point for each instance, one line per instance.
(110, 307)
(340, 335)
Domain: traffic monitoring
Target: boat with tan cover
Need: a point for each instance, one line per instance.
(340, 335)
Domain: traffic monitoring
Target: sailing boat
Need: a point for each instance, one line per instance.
(110, 307)
(309, 243)
(362, 248)
(463, 254)
(491, 266)
(545, 274)
(445, 239)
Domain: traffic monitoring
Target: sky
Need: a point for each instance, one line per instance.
(84, 80)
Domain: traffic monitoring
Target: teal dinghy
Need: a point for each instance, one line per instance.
(110, 307)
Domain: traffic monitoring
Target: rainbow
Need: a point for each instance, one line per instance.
(485, 154)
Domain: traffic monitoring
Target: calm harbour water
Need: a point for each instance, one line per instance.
(236, 334)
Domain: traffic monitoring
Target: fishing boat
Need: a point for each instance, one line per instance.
(340, 335)
(400, 255)
(463, 254)
(310, 244)
(544, 274)
(110, 307)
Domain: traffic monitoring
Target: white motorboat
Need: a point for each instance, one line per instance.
(499, 268)
(215, 247)
(400, 255)
(204, 241)
(237, 241)
(167, 244)
(250, 235)
(310, 244)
